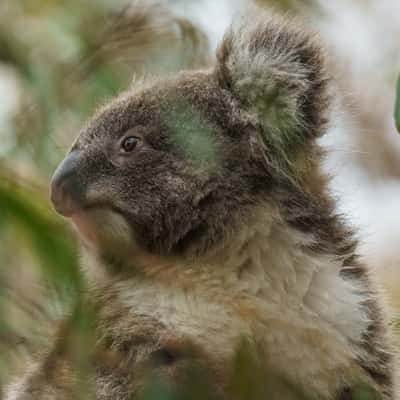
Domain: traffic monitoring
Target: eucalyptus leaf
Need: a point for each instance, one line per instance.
(397, 106)
(49, 240)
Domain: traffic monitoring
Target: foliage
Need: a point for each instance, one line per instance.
(288, 5)
(24, 217)
(397, 106)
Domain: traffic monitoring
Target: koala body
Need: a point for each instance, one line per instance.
(205, 219)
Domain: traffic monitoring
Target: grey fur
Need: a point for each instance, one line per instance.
(255, 118)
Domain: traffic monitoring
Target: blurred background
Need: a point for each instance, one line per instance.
(59, 60)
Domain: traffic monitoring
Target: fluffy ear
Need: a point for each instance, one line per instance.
(275, 70)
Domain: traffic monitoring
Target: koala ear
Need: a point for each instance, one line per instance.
(275, 70)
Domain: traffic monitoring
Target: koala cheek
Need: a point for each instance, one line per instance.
(115, 226)
(105, 228)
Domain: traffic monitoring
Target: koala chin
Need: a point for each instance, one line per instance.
(203, 207)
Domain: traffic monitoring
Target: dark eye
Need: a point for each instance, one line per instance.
(129, 143)
(164, 357)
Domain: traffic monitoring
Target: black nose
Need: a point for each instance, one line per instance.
(66, 190)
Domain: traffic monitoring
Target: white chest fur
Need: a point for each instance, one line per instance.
(306, 317)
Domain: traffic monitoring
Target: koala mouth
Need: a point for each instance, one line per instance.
(103, 226)
(97, 223)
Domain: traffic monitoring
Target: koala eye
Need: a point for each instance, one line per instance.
(164, 357)
(129, 143)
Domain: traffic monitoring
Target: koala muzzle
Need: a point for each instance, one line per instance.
(66, 190)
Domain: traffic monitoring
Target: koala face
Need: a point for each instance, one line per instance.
(174, 167)
(173, 162)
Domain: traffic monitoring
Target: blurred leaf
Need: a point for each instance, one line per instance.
(49, 240)
(247, 380)
(364, 392)
(157, 389)
(288, 5)
(192, 135)
(397, 106)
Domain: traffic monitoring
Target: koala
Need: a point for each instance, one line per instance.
(205, 218)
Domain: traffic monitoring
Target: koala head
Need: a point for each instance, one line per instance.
(174, 166)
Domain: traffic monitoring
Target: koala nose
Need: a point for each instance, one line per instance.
(66, 190)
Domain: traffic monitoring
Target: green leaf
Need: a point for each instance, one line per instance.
(192, 135)
(49, 240)
(397, 107)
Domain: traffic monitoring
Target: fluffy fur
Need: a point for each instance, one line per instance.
(219, 227)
